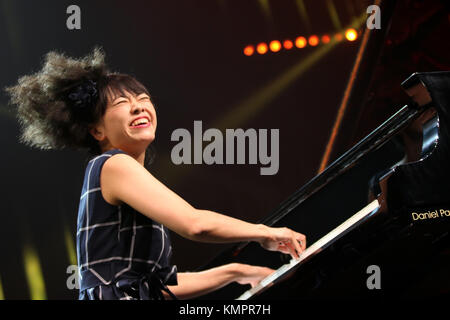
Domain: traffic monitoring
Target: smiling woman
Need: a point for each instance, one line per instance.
(129, 120)
(125, 213)
(119, 93)
(53, 105)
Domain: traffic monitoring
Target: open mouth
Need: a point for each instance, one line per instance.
(140, 123)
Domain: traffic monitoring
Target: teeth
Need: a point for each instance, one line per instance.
(139, 121)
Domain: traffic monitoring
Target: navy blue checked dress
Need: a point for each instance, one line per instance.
(122, 254)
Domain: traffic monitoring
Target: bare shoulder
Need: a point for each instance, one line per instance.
(117, 169)
(120, 162)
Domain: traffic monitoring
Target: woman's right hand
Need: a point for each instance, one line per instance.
(284, 240)
(252, 275)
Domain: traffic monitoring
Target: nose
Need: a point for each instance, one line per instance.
(137, 107)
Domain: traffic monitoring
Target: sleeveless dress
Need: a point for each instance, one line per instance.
(122, 254)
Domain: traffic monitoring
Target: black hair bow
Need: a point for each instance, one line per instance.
(84, 96)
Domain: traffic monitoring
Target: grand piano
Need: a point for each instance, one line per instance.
(377, 219)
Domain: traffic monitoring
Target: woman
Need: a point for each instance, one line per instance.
(123, 244)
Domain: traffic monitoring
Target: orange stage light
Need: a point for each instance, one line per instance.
(300, 42)
(275, 46)
(261, 48)
(249, 50)
(313, 40)
(325, 38)
(287, 44)
(351, 34)
(338, 37)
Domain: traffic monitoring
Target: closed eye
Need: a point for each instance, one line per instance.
(145, 98)
(119, 102)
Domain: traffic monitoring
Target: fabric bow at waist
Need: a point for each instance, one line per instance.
(149, 285)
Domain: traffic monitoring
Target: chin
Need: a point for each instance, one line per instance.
(148, 137)
(149, 141)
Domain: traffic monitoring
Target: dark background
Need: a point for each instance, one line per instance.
(189, 55)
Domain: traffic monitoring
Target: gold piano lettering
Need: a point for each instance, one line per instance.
(445, 213)
(425, 215)
(438, 213)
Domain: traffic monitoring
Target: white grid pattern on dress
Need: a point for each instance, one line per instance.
(87, 228)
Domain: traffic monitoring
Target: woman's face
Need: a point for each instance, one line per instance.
(129, 123)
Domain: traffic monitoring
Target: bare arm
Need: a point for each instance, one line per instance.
(195, 284)
(124, 180)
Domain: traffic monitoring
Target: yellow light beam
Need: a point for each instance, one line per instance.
(334, 15)
(68, 238)
(265, 7)
(33, 273)
(303, 15)
(2, 295)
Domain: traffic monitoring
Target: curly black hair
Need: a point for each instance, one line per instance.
(47, 118)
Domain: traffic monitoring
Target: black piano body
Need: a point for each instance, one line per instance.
(404, 167)
(400, 171)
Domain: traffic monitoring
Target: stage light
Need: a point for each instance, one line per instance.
(275, 46)
(351, 34)
(300, 42)
(249, 50)
(313, 40)
(261, 48)
(287, 44)
(338, 37)
(325, 38)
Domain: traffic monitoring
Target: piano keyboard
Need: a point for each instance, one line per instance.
(322, 243)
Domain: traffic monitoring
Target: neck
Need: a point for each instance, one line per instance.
(138, 155)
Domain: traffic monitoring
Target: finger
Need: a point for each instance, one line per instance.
(293, 252)
(284, 249)
(297, 246)
(287, 248)
(302, 240)
(294, 244)
(292, 249)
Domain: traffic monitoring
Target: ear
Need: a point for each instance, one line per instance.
(97, 132)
